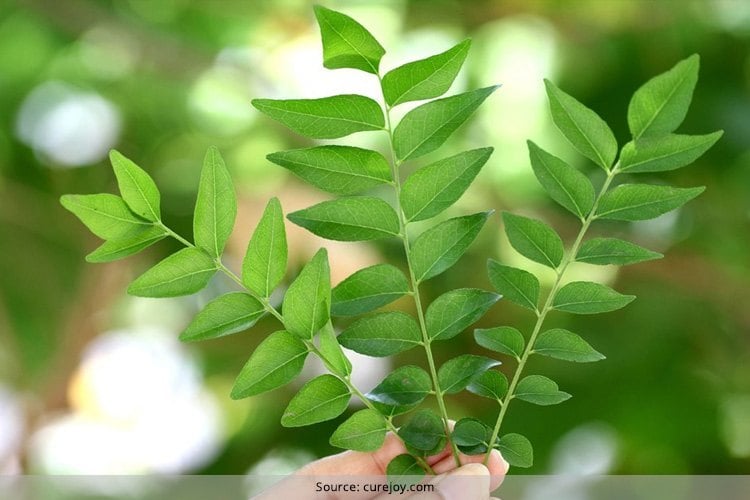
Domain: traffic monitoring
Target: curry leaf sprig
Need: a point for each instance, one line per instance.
(654, 113)
(350, 172)
(132, 222)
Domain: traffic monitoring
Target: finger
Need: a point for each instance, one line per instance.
(447, 450)
(467, 482)
(497, 466)
(356, 462)
(471, 481)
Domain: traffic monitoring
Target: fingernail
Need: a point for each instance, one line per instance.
(468, 481)
(501, 460)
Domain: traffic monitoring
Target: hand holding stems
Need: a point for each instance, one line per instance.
(470, 481)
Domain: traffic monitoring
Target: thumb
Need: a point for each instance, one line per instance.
(468, 482)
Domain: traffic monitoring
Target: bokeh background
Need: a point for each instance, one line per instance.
(94, 381)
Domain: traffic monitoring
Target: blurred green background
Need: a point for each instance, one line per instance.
(93, 381)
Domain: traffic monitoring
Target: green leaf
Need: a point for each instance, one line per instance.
(426, 78)
(332, 353)
(457, 373)
(427, 127)
(405, 386)
(382, 334)
(129, 244)
(216, 206)
(438, 248)
(540, 390)
(504, 339)
(433, 188)
(603, 251)
(392, 411)
(424, 431)
(306, 305)
(322, 398)
(275, 362)
(368, 289)
(562, 344)
(660, 105)
(534, 239)
(182, 273)
(632, 202)
(516, 450)
(358, 218)
(336, 169)
(471, 436)
(265, 260)
(454, 311)
(326, 117)
(491, 384)
(106, 215)
(402, 466)
(514, 284)
(566, 185)
(346, 43)
(664, 153)
(230, 313)
(363, 431)
(585, 297)
(585, 130)
(136, 187)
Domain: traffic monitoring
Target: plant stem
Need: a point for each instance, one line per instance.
(404, 235)
(388, 422)
(567, 260)
(310, 345)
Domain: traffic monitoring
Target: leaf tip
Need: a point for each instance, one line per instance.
(115, 155)
(185, 336)
(92, 258)
(236, 394)
(322, 253)
(66, 200)
(295, 217)
(275, 201)
(320, 10)
(258, 104)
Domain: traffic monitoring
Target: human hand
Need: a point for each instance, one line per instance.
(362, 472)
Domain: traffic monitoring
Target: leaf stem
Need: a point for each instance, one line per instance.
(542, 315)
(174, 235)
(404, 235)
(310, 345)
(346, 380)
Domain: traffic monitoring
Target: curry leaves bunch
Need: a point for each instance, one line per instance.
(655, 111)
(357, 215)
(132, 222)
